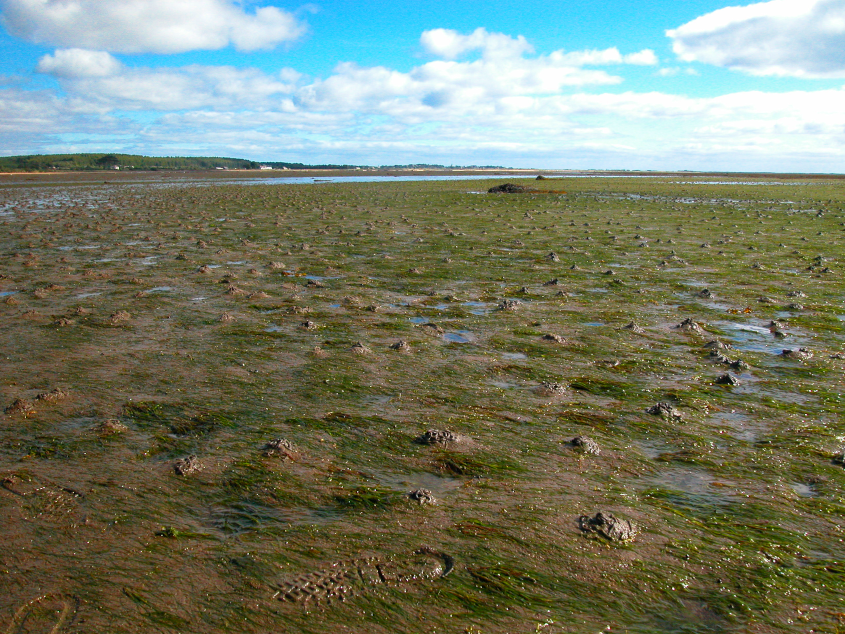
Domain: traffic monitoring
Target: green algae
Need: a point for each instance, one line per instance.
(738, 501)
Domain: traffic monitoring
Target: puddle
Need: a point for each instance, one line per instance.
(404, 482)
(514, 355)
(7, 293)
(198, 299)
(652, 449)
(804, 490)
(160, 289)
(84, 295)
(594, 324)
(418, 320)
(689, 489)
(738, 425)
(753, 338)
(478, 308)
(274, 329)
(503, 385)
(459, 336)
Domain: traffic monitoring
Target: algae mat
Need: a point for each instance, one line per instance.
(615, 404)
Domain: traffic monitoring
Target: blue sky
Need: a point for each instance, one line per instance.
(605, 84)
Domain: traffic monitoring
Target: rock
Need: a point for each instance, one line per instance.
(20, 406)
(438, 437)
(58, 394)
(727, 379)
(840, 458)
(688, 325)
(608, 526)
(401, 345)
(553, 282)
(110, 427)
(433, 329)
(507, 188)
(553, 257)
(718, 357)
(510, 304)
(738, 366)
(422, 496)
(715, 344)
(553, 337)
(664, 410)
(282, 448)
(634, 327)
(187, 466)
(119, 317)
(586, 445)
(360, 348)
(705, 293)
(801, 354)
(308, 325)
(550, 389)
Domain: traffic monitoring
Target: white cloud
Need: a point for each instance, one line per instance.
(798, 38)
(100, 80)
(424, 92)
(148, 26)
(78, 63)
(450, 44)
(545, 109)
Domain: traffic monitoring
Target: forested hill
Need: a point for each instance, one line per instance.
(85, 162)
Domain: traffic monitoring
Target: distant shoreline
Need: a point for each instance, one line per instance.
(118, 176)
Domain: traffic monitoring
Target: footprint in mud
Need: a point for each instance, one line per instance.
(49, 613)
(346, 579)
(43, 501)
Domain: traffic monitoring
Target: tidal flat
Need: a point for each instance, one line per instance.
(611, 404)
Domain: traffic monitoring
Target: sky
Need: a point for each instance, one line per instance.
(698, 85)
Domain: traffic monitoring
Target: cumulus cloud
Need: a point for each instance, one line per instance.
(168, 89)
(798, 38)
(504, 105)
(450, 44)
(496, 82)
(76, 63)
(148, 26)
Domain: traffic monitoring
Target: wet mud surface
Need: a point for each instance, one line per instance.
(413, 407)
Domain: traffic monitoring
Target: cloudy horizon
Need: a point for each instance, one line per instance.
(693, 85)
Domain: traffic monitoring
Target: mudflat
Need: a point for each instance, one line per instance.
(608, 403)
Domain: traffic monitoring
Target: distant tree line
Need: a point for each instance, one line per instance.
(86, 162)
(90, 162)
